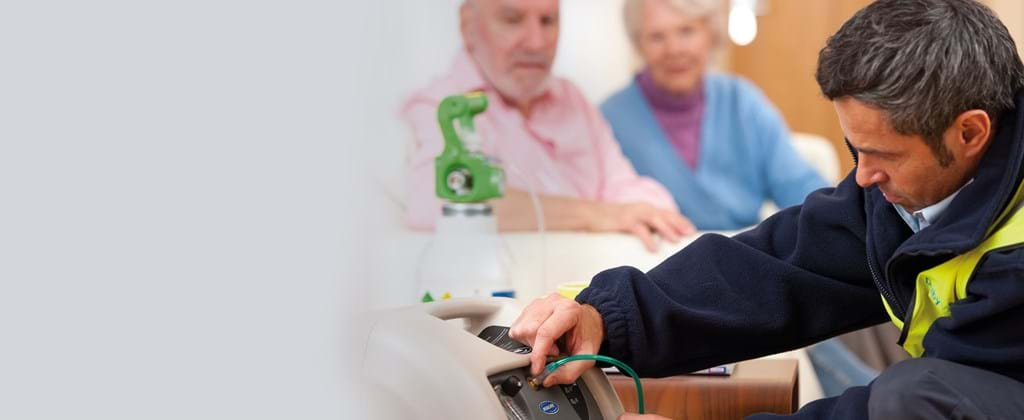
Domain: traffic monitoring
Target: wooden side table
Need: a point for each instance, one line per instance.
(755, 386)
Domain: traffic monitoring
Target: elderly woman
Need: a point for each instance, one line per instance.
(718, 145)
(713, 140)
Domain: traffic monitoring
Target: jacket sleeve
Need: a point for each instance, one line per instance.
(984, 329)
(799, 277)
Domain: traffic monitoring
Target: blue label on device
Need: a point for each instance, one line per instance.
(504, 293)
(548, 407)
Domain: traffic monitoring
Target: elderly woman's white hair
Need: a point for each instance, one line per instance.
(711, 10)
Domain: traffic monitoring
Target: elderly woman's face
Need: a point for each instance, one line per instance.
(674, 46)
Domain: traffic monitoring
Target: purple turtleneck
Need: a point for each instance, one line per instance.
(679, 116)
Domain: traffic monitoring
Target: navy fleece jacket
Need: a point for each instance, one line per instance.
(818, 270)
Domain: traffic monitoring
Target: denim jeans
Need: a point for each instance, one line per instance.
(838, 368)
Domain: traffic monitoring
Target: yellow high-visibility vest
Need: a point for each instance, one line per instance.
(940, 286)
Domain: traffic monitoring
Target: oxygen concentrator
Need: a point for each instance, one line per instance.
(453, 359)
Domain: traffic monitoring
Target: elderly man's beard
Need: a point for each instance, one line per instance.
(519, 88)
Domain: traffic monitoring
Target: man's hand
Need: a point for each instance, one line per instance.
(641, 219)
(546, 320)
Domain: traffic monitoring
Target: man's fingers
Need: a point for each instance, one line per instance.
(554, 327)
(538, 358)
(525, 328)
(512, 328)
(568, 373)
(558, 324)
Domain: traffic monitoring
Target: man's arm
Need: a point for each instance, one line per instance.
(797, 278)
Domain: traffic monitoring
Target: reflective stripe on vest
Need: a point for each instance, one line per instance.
(946, 283)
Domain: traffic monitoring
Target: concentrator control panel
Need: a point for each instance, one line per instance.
(522, 401)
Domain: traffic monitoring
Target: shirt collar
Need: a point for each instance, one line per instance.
(925, 217)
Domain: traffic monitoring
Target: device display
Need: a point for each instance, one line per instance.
(498, 335)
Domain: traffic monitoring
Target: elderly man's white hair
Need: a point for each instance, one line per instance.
(711, 10)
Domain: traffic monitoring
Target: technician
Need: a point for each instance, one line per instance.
(925, 232)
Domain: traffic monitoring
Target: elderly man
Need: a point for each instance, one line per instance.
(926, 232)
(549, 138)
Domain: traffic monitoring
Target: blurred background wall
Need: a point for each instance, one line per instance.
(783, 57)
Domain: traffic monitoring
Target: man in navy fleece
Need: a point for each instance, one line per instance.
(925, 232)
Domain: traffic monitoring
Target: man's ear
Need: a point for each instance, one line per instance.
(974, 128)
(467, 14)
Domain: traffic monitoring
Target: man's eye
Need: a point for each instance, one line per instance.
(512, 18)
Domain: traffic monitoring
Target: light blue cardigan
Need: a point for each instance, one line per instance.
(745, 154)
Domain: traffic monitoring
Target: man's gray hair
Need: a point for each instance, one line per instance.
(711, 10)
(923, 63)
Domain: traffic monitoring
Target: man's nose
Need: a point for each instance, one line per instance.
(867, 176)
(534, 35)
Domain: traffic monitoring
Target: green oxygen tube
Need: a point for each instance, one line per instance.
(465, 256)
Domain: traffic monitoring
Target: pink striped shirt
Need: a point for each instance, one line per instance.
(565, 148)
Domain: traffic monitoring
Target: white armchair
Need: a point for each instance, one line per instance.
(818, 152)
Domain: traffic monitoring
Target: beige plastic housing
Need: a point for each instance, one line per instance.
(426, 361)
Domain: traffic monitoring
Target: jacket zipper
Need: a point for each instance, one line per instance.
(887, 294)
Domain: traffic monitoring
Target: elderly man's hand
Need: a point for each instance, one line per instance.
(641, 219)
(546, 320)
